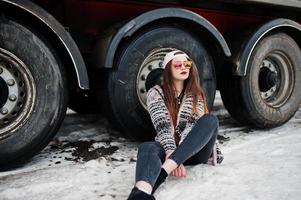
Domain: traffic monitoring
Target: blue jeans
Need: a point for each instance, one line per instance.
(196, 148)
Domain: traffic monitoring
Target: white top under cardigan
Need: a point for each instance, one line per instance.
(161, 119)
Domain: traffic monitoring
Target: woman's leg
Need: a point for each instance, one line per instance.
(150, 157)
(203, 132)
(203, 155)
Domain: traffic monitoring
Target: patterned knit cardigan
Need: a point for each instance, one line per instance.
(161, 119)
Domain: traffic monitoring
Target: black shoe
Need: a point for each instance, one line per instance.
(137, 194)
(216, 156)
(162, 176)
(220, 156)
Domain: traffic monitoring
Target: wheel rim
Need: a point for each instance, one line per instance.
(150, 72)
(18, 93)
(276, 79)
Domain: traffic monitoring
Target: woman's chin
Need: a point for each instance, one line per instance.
(183, 77)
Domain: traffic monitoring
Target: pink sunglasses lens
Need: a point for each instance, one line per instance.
(178, 64)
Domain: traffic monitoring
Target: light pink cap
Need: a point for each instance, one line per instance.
(173, 54)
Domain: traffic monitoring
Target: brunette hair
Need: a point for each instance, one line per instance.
(192, 85)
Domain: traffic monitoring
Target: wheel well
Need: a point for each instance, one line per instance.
(201, 33)
(292, 32)
(38, 27)
(245, 45)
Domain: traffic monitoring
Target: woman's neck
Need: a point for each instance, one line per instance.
(179, 85)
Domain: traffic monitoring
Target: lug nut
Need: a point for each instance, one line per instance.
(161, 64)
(143, 77)
(150, 67)
(10, 82)
(12, 97)
(4, 111)
(142, 90)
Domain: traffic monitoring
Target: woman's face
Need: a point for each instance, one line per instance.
(180, 68)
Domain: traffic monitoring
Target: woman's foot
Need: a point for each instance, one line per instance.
(137, 194)
(216, 157)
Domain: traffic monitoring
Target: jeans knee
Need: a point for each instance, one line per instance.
(212, 119)
(147, 146)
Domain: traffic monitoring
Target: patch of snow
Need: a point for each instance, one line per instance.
(258, 164)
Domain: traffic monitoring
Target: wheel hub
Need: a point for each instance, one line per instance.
(150, 72)
(16, 84)
(3, 92)
(276, 79)
(12, 87)
(267, 79)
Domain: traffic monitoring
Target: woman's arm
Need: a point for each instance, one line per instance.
(160, 119)
(191, 122)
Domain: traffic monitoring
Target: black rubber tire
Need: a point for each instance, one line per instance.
(49, 108)
(242, 95)
(231, 96)
(127, 112)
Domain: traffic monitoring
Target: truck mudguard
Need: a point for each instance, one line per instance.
(243, 59)
(61, 34)
(135, 24)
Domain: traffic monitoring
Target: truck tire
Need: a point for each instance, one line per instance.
(230, 92)
(138, 68)
(33, 84)
(269, 94)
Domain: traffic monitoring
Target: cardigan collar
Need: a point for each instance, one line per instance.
(186, 102)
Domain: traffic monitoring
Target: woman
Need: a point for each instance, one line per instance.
(186, 133)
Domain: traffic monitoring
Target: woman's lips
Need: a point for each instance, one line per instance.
(183, 73)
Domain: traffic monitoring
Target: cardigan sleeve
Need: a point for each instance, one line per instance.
(160, 119)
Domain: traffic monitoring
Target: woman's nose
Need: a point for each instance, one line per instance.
(183, 66)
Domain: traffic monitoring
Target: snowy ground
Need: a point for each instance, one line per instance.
(88, 160)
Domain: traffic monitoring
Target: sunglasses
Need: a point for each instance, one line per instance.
(178, 64)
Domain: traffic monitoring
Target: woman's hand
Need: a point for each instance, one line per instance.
(180, 171)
